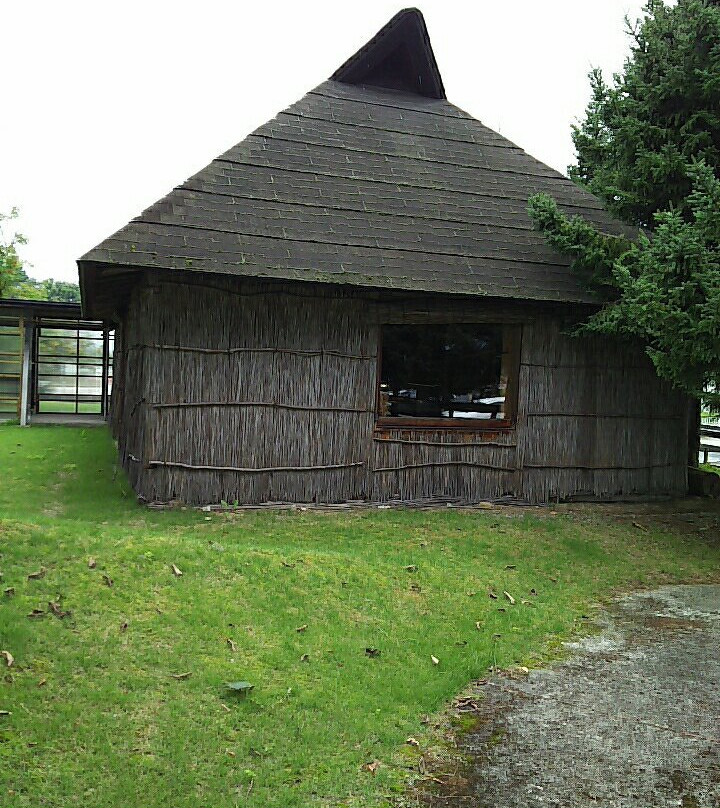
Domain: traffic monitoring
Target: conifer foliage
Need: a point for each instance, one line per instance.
(649, 147)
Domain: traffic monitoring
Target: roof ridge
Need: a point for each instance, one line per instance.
(399, 56)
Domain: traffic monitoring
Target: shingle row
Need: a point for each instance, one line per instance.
(346, 137)
(250, 182)
(284, 220)
(169, 246)
(419, 173)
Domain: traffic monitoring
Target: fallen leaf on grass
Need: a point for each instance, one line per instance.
(302, 628)
(415, 588)
(108, 580)
(501, 609)
(92, 563)
(509, 597)
(640, 527)
(287, 564)
(371, 767)
(181, 675)
(225, 707)
(232, 645)
(492, 595)
(412, 742)
(35, 576)
(42, 683)
(372, 652)
(242, 688)
(466, 704)
(527, 603)
(9, 658)
(305, 658)
(37, 613)
(479, 625)
(434, 659)
(411, 568)
(56, 610)
(123, 626)
(175, 571)
(5, 712)
(9, 592)
(511, 566)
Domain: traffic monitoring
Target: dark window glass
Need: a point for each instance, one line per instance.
(443, 371)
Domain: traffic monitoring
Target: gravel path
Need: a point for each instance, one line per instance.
(632, 719)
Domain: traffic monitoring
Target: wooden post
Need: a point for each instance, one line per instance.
(26, 335)
(105, 363)
(693, 431)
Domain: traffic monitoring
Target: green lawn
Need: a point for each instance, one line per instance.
(97, 717)
(69, 406)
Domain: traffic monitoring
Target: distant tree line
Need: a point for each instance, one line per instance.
(14, 280)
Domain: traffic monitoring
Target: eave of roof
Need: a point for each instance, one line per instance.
(40, 308)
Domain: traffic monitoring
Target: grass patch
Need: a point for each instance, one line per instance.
(69, 406)
(98, 718)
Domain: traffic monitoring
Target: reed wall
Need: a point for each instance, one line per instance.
(252, 391)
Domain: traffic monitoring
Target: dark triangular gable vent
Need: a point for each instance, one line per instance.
(398, 57)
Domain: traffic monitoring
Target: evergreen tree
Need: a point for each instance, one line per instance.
(649, 147)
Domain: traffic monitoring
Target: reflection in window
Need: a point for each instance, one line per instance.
(457, 371)
(69, 369)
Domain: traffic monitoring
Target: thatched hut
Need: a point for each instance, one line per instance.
(351, 304)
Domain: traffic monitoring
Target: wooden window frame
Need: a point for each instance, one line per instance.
(512, 336)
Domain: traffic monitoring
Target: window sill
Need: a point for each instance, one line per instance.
(452, 424)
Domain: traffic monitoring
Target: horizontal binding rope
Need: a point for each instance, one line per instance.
(582, 367)
(601, 468)
(603, 415)
(446, 463)
(168, 404)
(228, 351)
(448, 445)
(192, 467)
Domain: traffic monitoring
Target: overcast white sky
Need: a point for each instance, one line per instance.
(109, 104)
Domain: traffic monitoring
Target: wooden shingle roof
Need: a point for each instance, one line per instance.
(372, 186)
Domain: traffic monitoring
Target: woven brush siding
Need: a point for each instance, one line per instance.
(282, 380)
(274, 387)
(443, 463)
(594, 420)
